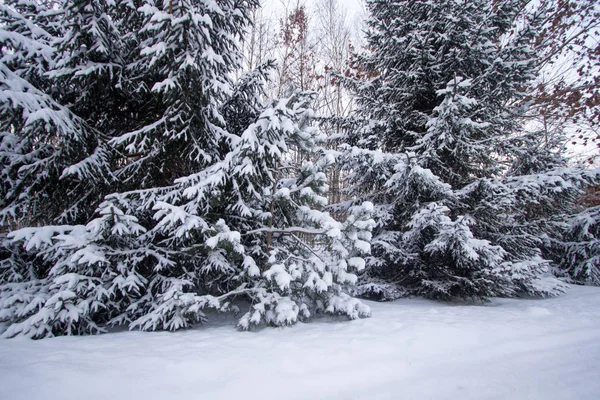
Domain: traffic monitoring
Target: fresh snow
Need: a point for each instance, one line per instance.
(409, 349)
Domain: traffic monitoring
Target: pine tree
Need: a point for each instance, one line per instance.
(580, 247)
(573, 246)
(205, 206)
(55, 165)
(440, 102)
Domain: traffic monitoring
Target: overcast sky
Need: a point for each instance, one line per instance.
(353, 7)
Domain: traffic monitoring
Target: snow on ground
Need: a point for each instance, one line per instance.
(409, 349)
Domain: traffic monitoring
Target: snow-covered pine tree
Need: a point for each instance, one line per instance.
(573, 245)
(275, 205)
(25, 50)
(580, 247)
(54, 165)
(207, 246)
(207, 210)
(439, 105)
(62, 63)
(185, 53)
(86, 53)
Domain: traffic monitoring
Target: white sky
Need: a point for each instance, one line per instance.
(354, 7)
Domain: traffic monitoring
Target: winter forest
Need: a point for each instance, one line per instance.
(166, 161)
(299, 199)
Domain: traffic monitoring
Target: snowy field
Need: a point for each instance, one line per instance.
(409, 349)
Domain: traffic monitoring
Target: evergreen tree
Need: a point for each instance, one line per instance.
(439, 109)
(54, 162)
(205, 205)
(580, 247)
(55, 147)
(573, 246)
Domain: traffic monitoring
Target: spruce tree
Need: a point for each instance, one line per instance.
(440, 105)
(185, 197)
(579, 247)
(55, 162)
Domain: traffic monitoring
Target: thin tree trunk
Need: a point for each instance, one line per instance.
(272, 210)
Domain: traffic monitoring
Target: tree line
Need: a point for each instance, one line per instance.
(157, 166)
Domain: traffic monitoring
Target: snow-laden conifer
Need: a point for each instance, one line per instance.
(580, 247)
(208, 244)
(461, 208)
(47, 149)
(178, 189)
(54, 166)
